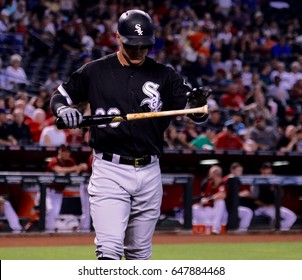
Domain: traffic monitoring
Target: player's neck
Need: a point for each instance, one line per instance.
(120, 58)
(125, 61)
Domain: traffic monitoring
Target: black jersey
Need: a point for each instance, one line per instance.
(111, 88)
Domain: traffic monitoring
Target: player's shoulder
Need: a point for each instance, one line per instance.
(107, 59)
(102, 61)
(157, 65)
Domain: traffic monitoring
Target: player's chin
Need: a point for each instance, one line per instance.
(136, 60)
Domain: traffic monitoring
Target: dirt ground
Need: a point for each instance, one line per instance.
(74, 239)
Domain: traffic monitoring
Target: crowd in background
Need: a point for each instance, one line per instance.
(248, 52)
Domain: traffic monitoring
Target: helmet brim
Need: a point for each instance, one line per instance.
(138, 41)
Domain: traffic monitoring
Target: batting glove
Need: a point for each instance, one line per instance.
(70, 116)
(198, 96)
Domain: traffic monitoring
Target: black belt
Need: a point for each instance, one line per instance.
(135, 161)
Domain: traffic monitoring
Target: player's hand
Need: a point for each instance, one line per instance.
(70, 116)
(198, 96)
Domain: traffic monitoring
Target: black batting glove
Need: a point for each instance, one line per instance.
(198, 96)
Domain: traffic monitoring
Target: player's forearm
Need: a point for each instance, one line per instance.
(57, 101)
(60, 169)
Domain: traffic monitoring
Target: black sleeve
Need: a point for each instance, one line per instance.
(57, 101)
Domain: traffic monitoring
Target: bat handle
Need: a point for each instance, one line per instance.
(60, 123)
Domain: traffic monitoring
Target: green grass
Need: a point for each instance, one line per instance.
(202, 251)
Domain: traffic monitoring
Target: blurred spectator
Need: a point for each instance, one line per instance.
(288, 141)
(296, 93)
(18, 129)
(279, 69)
(62, 163)
(22, 99)
(171, 140)
(52, 136)
(36, 124)
(202, 70)
(288, 118)
(234, 98)
(278, 91)
(106, 39)
(86, 41)
(265, 201)
(3, 76)
(295, 74)
(9, 103)
(246, 75)
(264, 135)
(238, 119)
(204, 141)
(219, 81)
(5, 23)
(20, 12)
(5, 137)
(16, 76)
(9, 213)
(215, 120)
(188, 133)
(211, 209)
(232, 62)
(52, 81)
(200, 38)
(68, 40)
(281, 49)
(258, 106)
(216, 62)
(75, 137)
(227, 139)
(265, 71)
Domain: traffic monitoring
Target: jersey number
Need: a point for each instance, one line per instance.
(111, 111)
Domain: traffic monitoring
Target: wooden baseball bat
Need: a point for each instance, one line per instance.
(107, 119)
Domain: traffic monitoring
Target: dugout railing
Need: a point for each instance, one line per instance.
(44, 179)
(278, 181)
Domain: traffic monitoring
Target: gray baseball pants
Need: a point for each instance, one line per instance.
(125, 206)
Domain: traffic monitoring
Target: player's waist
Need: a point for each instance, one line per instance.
(128, 160)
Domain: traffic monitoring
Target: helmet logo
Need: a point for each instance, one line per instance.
(138, 29)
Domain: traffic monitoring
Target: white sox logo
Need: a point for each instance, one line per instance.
(154, 102)
(138, 29)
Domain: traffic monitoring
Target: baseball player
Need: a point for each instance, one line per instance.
(63, 162)
(125, 187)
(246, 202)
(7, 211)
(211, 209)
(265, 201)
(85, 219)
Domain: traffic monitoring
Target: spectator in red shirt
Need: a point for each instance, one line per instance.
(36, 124)
(227, 139)
(233, 99)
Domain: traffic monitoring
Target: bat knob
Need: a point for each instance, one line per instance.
(60, 123)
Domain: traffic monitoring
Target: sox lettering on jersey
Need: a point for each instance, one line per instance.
(154, 102)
